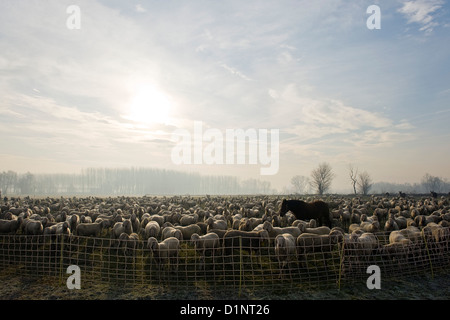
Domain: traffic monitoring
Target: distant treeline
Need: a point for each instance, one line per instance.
(128, 181)
(442, 187)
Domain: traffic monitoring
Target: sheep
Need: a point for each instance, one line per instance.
(438, 237)
(189, 219)
(370, 227)
(93, 229)
(285, 248)
(401, 222)
(203, 227)
(58, 229)
(216, 224)
(235, 221)
(151, 229)
(135, 223)
(171, 232)
(275, 231)
(158, 218)
(310, 224)
(313, 242)
(189, 230)
(32, 227)
(360, 246)
(9, 226)
(85, 219)
(390, 225)
(250, 240)
(318, 230)
(221, 233)
(128, 242)
(120, 227)
(165, 251)
(396, 251)
(208, 241)
(205, 245)
(73, 221)
(399, 237)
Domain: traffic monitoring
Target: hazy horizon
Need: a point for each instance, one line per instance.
(112, 93)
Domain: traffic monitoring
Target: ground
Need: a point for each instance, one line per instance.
(410, 288)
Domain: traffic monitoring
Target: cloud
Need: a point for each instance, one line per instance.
(421, 12)
(139, 8)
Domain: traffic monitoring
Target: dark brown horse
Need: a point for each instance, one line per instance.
(302, 210)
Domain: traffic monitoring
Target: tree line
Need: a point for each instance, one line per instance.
(361, 182)
(127, 181)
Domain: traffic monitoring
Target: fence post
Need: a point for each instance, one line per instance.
(240, 265)
(61, 259)
(341, 256)
(428, 253)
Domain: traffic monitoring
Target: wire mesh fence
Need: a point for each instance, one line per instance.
(235, 264)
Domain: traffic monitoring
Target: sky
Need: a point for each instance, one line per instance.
(117, 83)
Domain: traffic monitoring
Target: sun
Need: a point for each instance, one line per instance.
(149, 105)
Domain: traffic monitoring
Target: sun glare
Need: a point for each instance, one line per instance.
(149, 105)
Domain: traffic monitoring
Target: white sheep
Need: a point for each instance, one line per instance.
(169, 232)
(128, 242)
(205, 245)
(151, 229)
(120, 227)
(188, 219)
(58, 229)
(216, 224)
(93, 229)
(313, 242)
(318, 230)
(166, 251)
(189, 230)
(285, 249)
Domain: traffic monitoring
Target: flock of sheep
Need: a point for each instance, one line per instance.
(396, 228)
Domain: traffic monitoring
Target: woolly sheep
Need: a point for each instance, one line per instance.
(128, 242)
(189, 230)
(165, 251)
(206, 244)
(310, 224)
(158, 218)
(120, 227)
(58, 228)
(135, 223)
(216, 224)
(9, 226)
(188, 219)
(294, 231)
(390, 225)
(32, 227)
(249, 240)
(151, 229)
(93, 229)
(171, 232)
(318, 230)
(365, 243)
(399, 237)
(313, 242)
(285, 248)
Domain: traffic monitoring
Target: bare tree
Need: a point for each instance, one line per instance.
(353, 173)
(364, 182)
(300, 183)
(322, 177)
(431, 183)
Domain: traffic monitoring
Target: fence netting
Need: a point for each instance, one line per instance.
(239, 264)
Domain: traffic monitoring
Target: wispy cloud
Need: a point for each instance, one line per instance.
(139, 8)
(421, 12)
